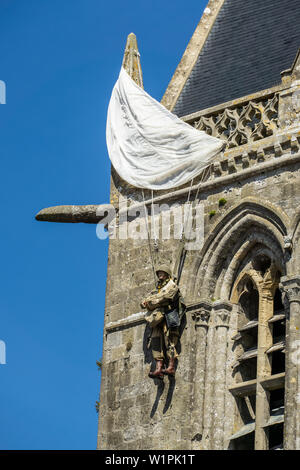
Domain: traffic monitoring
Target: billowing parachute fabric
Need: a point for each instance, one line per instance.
(150, 147)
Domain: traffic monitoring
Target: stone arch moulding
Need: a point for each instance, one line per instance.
(261, 244)
(295, 229)
(243, 276)
(292, 242)
(248, 226)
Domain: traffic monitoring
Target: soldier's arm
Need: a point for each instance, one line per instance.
(164, 297)
(146, 300)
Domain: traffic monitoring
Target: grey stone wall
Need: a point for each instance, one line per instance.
(260, 182)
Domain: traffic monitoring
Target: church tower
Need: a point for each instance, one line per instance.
(237, 383)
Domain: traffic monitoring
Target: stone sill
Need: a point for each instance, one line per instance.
(244, 388)
(274, 382)
(249, 387)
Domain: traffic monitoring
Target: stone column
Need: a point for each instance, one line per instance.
(290, 286)
(221, 311)
(201, 315)
(264, 341)
(210, 365)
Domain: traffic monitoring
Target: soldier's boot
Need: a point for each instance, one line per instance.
(157, 374)
(171, 367)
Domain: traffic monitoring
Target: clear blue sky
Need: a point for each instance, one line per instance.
(60, 60)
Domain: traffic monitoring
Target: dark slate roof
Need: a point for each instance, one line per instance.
(250, 43)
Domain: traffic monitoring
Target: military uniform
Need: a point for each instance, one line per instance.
(165, 299)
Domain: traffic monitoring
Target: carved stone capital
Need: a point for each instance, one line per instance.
(200, 312)
(201, 318)
(290, 287)
(222, 311)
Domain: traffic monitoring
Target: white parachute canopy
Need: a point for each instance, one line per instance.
(150, 147)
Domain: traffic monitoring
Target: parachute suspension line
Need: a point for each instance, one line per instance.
(209, 172)
(153, 222)
(190, 211)
(148, 236)
(182, 248)
(181, 263)
(181, 257)
(184, 212)
(188, 199)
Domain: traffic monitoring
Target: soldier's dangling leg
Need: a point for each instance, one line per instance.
(157, 343)
(171, 337)
(157, 352)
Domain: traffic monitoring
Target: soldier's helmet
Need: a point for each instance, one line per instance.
(165, 268)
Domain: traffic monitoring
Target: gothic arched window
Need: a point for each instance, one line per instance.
(259, 370)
